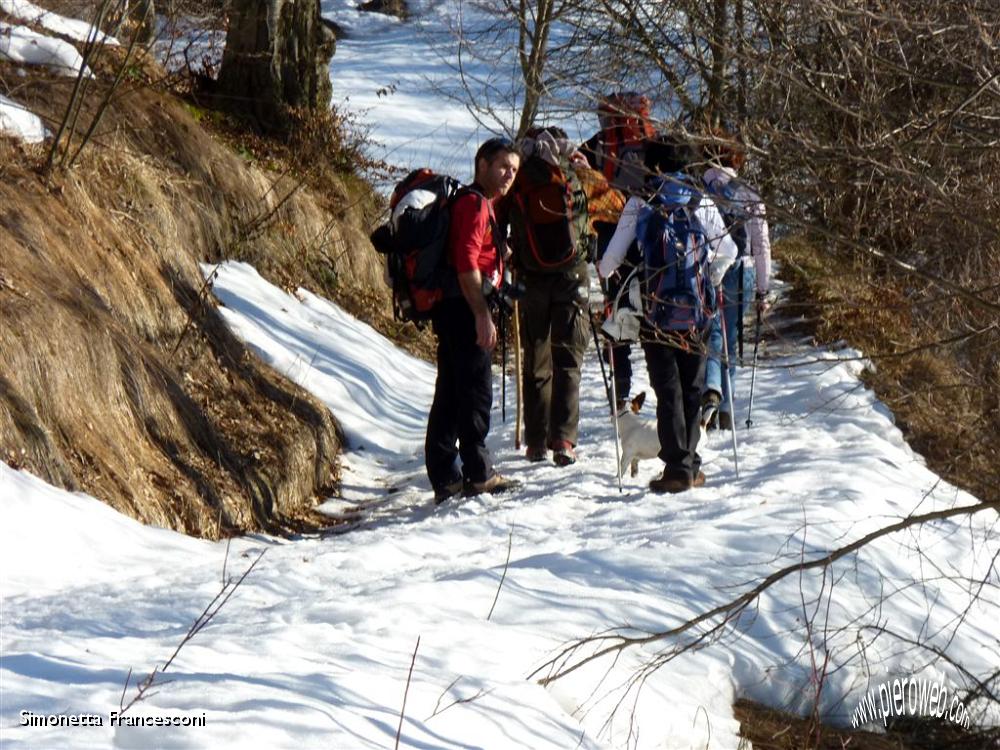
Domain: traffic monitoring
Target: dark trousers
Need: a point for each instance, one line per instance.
(463, 397)
(554, 334)
(677, 376)
(621, 353)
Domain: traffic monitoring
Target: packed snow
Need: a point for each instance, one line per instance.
(21, 45)
(80, 31)
(315, 647)
(18, 121)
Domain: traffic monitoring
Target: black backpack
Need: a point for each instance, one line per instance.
(415, 243)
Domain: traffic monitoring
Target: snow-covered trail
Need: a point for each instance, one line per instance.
(314, 648)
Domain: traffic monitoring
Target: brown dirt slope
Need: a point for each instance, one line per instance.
(117, 375)
(768, 729)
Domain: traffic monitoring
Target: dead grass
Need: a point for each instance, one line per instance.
(943, 389)
(770, 729)
(99, 281)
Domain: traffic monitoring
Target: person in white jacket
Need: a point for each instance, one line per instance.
(746, 218)
(675, 352)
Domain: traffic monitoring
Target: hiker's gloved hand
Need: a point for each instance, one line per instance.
(486, 332)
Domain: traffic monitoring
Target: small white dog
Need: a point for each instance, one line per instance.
(638, 435)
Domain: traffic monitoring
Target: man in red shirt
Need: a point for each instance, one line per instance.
(463, 393)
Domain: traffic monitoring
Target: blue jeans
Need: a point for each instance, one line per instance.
(731, 317)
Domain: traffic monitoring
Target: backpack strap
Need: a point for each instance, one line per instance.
(610, 149)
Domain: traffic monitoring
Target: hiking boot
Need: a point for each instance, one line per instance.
(534, 455)
(563, 453)
(710, 401)
(495, 485)
(674, 483)
(448, 491)
(725, 420)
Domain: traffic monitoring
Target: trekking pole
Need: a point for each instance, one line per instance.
(517, 376)
(739, 314)
(753, 372)
(614, 416)
(727, 379)
(503, 368)
(600, 359)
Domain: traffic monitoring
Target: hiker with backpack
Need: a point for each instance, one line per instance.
(686, 250)
(746, 220)
(617, 151)
(550, 238)
(463, 323)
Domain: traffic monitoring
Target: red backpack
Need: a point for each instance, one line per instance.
(625, 126)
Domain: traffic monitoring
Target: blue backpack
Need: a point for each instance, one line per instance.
(678, 294)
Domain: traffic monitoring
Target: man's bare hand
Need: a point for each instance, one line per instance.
(486, 332)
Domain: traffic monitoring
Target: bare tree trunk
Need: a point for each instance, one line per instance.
(143, 14)
(532, 54)
(739, 24)
(719, 48)
(277, 57)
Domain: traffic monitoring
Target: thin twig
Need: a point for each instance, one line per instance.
(481, 693)
(443, 694)
(78, 88)
(106, 100)
(128, 677)
(225, 560)
(561, 664)
(200, 623)
(402, 710)
(190, 316)
(510, 542)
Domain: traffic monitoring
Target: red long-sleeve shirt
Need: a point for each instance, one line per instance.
(471, 237)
